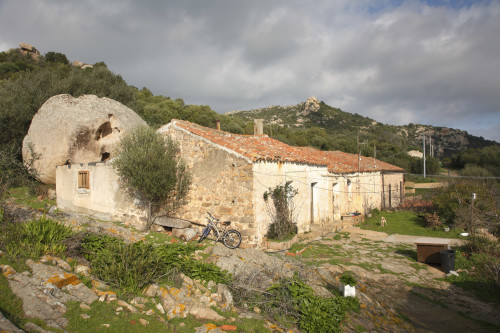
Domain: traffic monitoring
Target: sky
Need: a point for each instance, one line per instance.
(398, 62)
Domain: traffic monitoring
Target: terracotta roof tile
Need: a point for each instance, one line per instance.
(263, 148)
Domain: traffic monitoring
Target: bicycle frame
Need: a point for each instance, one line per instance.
(231, 238)
(218, 232)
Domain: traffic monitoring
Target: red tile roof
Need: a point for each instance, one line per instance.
(263, 148)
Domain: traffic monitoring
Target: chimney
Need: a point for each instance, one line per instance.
(258, 127)
(217, 123)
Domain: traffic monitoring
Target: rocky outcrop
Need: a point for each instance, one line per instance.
(29, 49)
(81, 64)
(69, 130)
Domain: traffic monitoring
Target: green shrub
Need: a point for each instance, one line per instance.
(205, 271)
(44, 236)
(128, 267)
(282, 211)
(94, 244)
(295, 303)
(176, 255)
(479, 258)
(33, 238)
(347, 279)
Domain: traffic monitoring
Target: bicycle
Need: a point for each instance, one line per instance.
(231, 238)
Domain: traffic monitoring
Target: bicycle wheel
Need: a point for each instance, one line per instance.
(204, 234)
(232, 239)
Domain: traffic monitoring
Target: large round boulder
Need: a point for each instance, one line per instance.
(69, 130)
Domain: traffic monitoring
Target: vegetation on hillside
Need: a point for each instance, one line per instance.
(26, 83)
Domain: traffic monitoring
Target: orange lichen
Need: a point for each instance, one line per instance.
(104, 293)
(7, 270)
(210, 327)
(66, 279)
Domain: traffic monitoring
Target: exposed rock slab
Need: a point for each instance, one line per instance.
(172, 222)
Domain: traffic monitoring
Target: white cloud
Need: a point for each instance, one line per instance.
(394, 61)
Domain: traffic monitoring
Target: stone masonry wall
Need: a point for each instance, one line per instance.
(222, 183)
(395, 197)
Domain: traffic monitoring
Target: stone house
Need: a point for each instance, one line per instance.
(230, 175)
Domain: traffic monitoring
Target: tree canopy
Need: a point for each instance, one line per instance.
(149, 164)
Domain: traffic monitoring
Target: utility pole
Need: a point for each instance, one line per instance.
(359, 153)
(472, 212)
(374, 155)
(430, 145)
(423, 135)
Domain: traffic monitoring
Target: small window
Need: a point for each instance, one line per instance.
(83, 179)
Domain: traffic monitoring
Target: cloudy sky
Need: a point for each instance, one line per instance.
(421, 61)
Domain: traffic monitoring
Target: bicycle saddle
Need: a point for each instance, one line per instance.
(226, 223)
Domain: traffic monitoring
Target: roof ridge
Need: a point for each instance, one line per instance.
(264, 148)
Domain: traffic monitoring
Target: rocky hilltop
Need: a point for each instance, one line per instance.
(315, 113)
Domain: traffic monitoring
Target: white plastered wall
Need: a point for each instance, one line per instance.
(310, 201)
(104, 198)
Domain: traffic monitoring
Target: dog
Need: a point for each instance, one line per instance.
(383, 222)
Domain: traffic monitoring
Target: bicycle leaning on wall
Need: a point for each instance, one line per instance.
(231, 238)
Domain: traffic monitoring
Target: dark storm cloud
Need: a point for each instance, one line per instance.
(432, 62)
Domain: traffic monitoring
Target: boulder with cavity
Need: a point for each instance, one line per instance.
(68, 130)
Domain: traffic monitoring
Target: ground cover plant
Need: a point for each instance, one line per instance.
(26, 196)
(292, 303)
(405, 223)
(282, 211)
(479, 263)
(32, 239)
(131, 267)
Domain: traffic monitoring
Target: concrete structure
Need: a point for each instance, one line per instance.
(232, 172)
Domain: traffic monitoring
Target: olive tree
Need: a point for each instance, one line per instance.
(149, 164)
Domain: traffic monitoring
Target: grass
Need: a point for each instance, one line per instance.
(105, 313)
(405, 223)
(10, 305)
(23, 196)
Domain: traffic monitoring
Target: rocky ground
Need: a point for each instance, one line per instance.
(396, 293)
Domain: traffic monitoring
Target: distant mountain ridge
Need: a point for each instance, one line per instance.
(314, 113)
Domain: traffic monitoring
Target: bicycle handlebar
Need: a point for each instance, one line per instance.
(212, 217)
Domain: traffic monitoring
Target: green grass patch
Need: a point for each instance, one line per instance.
(24, 196)
(405, 223)
(104, 313)
(360, 328)
(10, 305)
(427, 298)
(417, 266)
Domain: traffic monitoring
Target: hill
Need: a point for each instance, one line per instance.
(28, 79)
(345, 126)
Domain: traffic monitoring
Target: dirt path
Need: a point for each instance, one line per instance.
(398, 294)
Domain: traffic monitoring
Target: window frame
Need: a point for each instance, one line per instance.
(84, 179)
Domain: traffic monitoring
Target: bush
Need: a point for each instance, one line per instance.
(33, 238)
(348, 279)
(296, 303)
(129, 267)
(282, 211)
(150, 164)
(93, 244)
(177, 257)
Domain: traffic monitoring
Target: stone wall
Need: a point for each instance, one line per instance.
(222, 183)
(393, 193)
